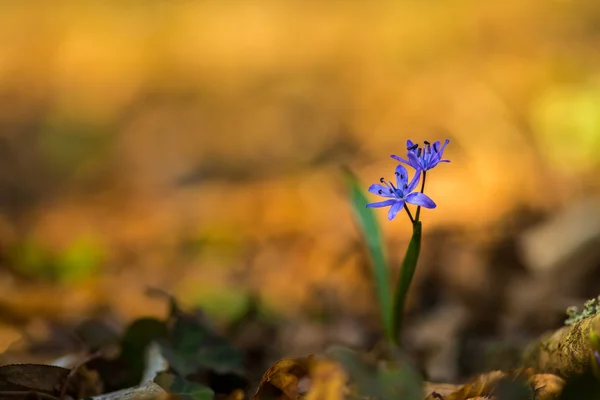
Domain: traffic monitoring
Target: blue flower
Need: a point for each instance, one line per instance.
(400, 193)
(424, 158)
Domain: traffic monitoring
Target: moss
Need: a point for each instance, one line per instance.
(566, 352)
(590, 308)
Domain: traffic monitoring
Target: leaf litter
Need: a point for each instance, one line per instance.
(183, 357)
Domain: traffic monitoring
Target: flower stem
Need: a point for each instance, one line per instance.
(422, 189)
(412, 220)
(409, 265)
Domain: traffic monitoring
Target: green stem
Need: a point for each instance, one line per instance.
(412, 220)
(422, 189)
(409, 265)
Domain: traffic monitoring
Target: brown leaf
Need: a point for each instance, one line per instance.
(481, 386)
(328, 381)
(47, 379)
(281, 380)
(439, 390)
(547, 386)
(237, 394)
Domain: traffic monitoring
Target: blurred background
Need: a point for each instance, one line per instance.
(196, 147)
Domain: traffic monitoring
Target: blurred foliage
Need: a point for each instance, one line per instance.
(568, 125)
(72, 145)
(221, 303)
(79, 260)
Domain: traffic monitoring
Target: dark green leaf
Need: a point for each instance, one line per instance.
(128, 368)
(138, 336)
(409, 264)
(372, 235)
(185, 389)
(395, 379)
(194, 346)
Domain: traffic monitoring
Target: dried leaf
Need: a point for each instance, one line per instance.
(547, 386)
(482, 385)
(237, 394)
(147, 391)
(439, 390)
(328, 381)
(281, 380)
(509, 385)
(47, 379)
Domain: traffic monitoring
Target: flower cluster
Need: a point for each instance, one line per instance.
(421, 159)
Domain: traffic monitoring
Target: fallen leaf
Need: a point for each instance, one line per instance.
(327, 381)
(147, 391)
(481, 386)
(47, 379)
(282, 378)
(237, 394)
(506, 385)
(547, 386)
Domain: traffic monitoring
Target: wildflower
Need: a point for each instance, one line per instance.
(423, 158)
(401, 193)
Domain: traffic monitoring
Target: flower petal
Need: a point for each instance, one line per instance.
(438, 156)
(420, 199)
(414, 160)
(401, 177)
(384, 203)
(443, 147)
(395, 157)
(394, 209)
(414, 182)
(380, 190)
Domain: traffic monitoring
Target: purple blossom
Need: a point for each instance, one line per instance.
(425, 158)
(400, 193)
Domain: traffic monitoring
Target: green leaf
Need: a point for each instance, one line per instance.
(79, 260)
(137, 338)
(194, 346)
(185, 389)
(409, 264)
(391, 380)
(372, 235)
